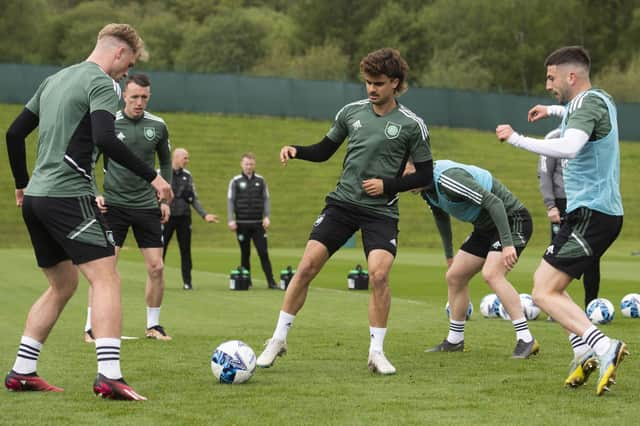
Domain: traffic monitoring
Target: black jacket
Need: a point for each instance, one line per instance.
(184, 194)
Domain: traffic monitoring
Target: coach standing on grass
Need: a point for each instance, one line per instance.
(248, 207)
(589, 139)
(74, 110)
(180, 220)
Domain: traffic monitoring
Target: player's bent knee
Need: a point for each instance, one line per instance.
(307, 274)
(66, 291)
(539, 296)
(456, 280)
(491, 276)
(308, 268)
(379, 278)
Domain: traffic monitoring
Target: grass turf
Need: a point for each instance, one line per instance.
(323, 379)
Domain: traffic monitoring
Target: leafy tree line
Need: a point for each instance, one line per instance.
(488, 45)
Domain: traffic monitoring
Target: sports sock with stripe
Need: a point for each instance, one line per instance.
(596, 340)
(108, 353)
(522, 329)
(28, 354)
(579, 346)
(456, 331)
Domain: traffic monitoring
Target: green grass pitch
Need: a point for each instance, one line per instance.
(324, 378)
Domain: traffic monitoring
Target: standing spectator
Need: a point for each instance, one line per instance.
(74, 111)
(550, 173)
(130, 202)
(180, 220)
(248, 208)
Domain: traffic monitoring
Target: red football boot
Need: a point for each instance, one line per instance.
(115, 389)
(15, 382)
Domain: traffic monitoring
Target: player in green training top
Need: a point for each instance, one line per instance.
(129, 201)
(383, 135)
(589, 139)
(74, 111)
(502, 227)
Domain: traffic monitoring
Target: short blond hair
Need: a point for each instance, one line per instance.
(127, 34)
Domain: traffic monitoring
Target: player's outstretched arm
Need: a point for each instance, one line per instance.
(421, 178)
(317, 153)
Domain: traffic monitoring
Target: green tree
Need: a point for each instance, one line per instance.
(21, 29)
(163, 34)
(600, 26)
(396, 27)
(200, 10)
(508, 39)
(318, 63)
(336, 22)
(451, 68)
(72, 34)
(621, 83)
(224, 43)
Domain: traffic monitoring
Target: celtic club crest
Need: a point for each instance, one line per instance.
(150, 133)
(392, 130)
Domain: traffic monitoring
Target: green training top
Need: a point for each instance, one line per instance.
(378, 147)
(462, 187)
(590, 114)
(145, 137)
(63, 104)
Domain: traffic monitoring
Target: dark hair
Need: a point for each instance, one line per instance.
(386, 61)
(569, 55)
(141, 80)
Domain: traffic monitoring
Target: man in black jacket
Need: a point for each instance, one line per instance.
(184, 197)
(248, 208)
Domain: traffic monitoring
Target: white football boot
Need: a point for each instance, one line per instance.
(273, 349)
(378, 363)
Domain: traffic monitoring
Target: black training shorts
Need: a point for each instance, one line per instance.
(480, 242)
(583, 238)
(145, 223)
(338, 221)
(66, 228)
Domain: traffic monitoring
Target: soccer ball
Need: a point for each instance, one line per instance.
(630, 305)
(530, 309)
(489, 306)
(233, 362)
(469, 310)
(502, 312)
(600, 311)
